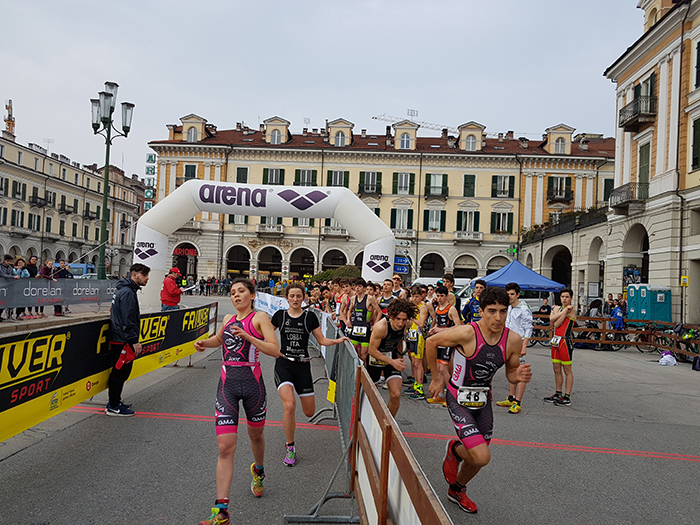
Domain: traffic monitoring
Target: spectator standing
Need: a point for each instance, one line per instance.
(202, 284)
(21, 272)
(61, 272)
(33, 273)
(125, 321)
(545, 308)
(623, 303)
(171, 293)
(608, 306)
(48, 271)
(7, 271)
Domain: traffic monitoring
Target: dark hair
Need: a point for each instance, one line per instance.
(343, 281)
(389, 280)
(245, 282)
(493, 295)
(448, 277)
(295, 285)
(481, 282)
(140, 268)
(442, 290)
(424, 288)
(9, 257)
(513, 286)
(416, 289)
(325, 289)
(359, 282)
(567, 290)
(372, 286)
(398, 306)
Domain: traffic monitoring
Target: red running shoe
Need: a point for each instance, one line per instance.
(450, 465)
(461, 499)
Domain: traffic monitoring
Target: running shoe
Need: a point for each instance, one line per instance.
(218, 517)
(417, 394)
(461, 499)
(436, 400)
(515, 408)
(409, 390)
(552, 399)
(563, 401)
(508, 402)
(290, 457)
(122, 410)
(385, 386)
(257, 484)
(450, 465)
(408, 381)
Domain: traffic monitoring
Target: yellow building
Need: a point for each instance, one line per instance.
(453, 201)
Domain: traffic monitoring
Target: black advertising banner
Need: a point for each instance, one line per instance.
(40, 292)
(46, 372)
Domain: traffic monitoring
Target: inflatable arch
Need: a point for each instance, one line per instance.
(195, 196)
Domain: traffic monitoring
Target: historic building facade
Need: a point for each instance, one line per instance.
(455, 202)
(51, 207)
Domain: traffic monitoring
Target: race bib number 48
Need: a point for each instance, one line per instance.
(473, 397)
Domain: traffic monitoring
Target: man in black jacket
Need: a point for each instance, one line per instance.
(124, 336)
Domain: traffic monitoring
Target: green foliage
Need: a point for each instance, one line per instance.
(343, 271)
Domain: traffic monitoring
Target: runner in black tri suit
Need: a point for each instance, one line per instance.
(243, 337)
(386, 296)
(364, 311)
(387, 348)
(293, 368)
(481, 349)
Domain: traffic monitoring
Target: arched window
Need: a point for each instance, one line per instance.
(340, 139)
(276, 137)
(405, 141)
(192, 134)
(470, 143)
(560, 145)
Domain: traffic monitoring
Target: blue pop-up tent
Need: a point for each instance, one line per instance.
(515, 272)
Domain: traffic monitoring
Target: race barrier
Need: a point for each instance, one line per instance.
(45, 372)
(18, 293)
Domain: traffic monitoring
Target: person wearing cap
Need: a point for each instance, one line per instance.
(398, 291)
(171, 292)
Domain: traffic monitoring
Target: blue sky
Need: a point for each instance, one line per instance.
(508, 64)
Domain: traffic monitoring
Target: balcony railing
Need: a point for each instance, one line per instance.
(439, 191)
(630, 193)
(404, 234)
(270, 228)
(334, 231)
(369, 189)
(18, 231)
(560, 195)
(637, 112)
(65, 208)
(35, 200)
(89, 215)
(303, 183)
(125, 224)
(192, 226)
(469, 236)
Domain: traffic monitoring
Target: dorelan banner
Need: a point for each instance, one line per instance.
(42, 292)
(196, 196)
(46, 372)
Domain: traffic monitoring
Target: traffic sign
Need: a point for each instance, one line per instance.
(402, 243)
(400, 269)
(402, 260)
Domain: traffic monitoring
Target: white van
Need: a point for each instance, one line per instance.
(460, 282)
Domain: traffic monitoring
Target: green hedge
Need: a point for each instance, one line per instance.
(343, 271)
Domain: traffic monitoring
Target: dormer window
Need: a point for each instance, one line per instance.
(192, 134)
(560, 146)
(340, 139)
(405, 141)
(276, 137)
(470, 143)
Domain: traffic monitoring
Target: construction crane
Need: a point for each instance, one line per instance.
(427, 125)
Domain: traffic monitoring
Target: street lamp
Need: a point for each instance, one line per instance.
(102, 124)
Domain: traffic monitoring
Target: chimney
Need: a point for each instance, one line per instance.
(305, 131)
(314, 131)
(523, 142)
(262, 128)
(483, 140)
(364, 133)
(388, 131)
(544, 137)
(500, 137)
(325, 138)
(388, 141)
(444, 133)
(238, 126)
(583, 144)
(509, 135)
(450, 142)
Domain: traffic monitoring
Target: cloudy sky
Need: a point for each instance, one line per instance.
(521, 65)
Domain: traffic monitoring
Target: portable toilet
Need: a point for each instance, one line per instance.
(634, 307)
(659, 302)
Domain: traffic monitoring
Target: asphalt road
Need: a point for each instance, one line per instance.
(625, 451)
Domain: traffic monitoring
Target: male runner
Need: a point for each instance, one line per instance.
(342, 303)
(448, 280)
(520, 321)
(386, 349)
(446, 316)
(364, 311)
(416, 344)
(386, 296)
(564, 318)
(471, 310)
(397, 290)
(481, 349)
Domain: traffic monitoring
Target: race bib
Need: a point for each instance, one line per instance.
(373, 361)
(359, 330)
(412, 335)
(555, 340)
(473, 397)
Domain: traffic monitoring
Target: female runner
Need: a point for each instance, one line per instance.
(293, 369)
(243, 336)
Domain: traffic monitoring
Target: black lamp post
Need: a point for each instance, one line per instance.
(103, 124)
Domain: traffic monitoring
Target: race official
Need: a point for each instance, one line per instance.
(171, 292)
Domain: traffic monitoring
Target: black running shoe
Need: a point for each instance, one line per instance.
(552, 399)
(563, 401)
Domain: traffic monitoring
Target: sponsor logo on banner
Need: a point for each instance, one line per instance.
(229, 195)
(145, 250)
(378, 263)
(302, 202)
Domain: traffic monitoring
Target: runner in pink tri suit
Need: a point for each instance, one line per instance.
(243, 337)
(481, 348)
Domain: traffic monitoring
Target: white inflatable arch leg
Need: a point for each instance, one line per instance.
(195, 196)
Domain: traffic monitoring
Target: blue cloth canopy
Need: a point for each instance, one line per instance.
(515, 272)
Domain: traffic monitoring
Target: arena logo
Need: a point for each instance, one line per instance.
(228, 195)
(378, 267)
(302, 202)
(144, 250)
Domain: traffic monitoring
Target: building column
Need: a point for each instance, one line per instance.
(619, 133)
(673, 124)
(590, 183)
(162, 181)
(172, 176)
(539, 198)
(661, 134)
(527, 213)
(627, 152)
(578, 194)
